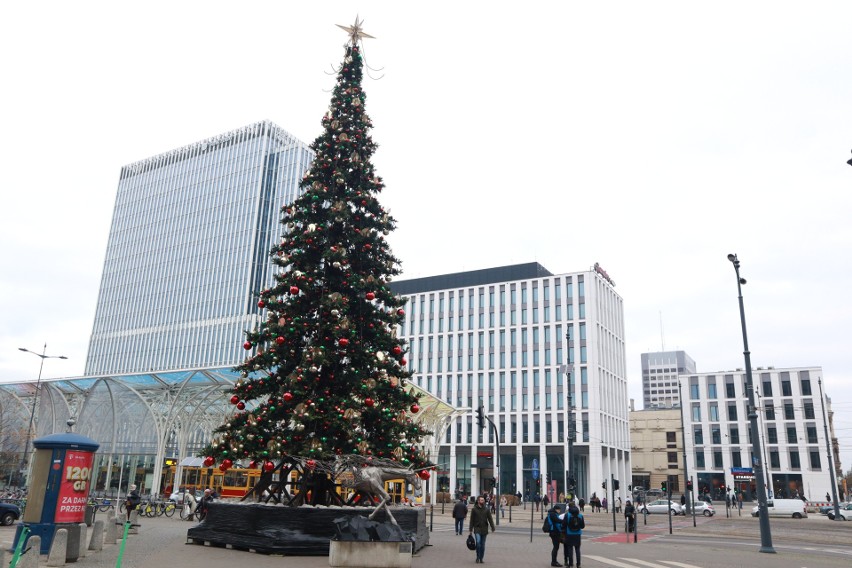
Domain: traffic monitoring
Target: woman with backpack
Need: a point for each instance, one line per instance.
(573, 525)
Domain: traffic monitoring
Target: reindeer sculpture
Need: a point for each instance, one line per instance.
(371, 480)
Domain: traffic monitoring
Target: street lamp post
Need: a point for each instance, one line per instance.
(689, 504)
(833, 477)
(43, 356)
(570, 481)
(757, 458)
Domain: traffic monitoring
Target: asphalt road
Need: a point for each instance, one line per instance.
(815, 542)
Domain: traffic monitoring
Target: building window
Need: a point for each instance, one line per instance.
(696, 413)
(772, 435)
(717, 459)
(729, 390)
(815, 463)
(812, 434)
(714, 413)
(767, 387)
(774, 459)
(671, 437)
(788, 411)
(795, 460)
(693, 392)
(716, 435)
(791, 434)
(809, 409)
(672, 460)
(736, 458)
(732, 411)
(786, 389)
(699, 459)
(698, 436)
(769, 410)
(735, 435)
(806, 387)
(711, 391)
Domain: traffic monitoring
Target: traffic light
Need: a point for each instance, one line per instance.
(480, 417)
(571, 482)
(615, 485)
(603, 484)
(630, 488)
(689, 485)
(493, 482)
(663, 486)
(547, 477)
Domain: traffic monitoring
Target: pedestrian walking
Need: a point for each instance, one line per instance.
(582, 505)
(133, 500)
(556, 535)
(503, 503)
(460, 514)
(630, 515)
(618, 505)
(480, 519)
(573, 524)
(604, 505)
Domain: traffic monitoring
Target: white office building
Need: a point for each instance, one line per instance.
(504, 339)
(792, 432)
(660, 371)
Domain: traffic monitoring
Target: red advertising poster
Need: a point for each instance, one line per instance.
(74, 487)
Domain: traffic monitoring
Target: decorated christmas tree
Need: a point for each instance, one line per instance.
(324, 374)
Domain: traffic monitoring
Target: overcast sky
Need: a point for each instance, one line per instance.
(651, 137)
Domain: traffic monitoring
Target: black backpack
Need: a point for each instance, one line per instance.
(576, 523)
(549, 526)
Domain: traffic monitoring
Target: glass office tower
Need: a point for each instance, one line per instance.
(188, 248)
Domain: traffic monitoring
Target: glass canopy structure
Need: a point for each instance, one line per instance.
(141, 421)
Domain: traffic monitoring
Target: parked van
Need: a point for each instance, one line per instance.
(784, 508)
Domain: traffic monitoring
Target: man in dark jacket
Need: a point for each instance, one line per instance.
(460, 514)
(480, 519)
(133, 499)
(630, 515)
(555, 535)
(573, 524)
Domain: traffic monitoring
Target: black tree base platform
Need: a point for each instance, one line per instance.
(297, 531)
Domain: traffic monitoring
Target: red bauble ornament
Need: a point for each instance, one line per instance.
(343, 342)
(287, 396)
(397, 350)
(370, 296)
(294, 290)
(268, 466)
(235, 399)
(279, 340)
(369, 402)
(252, 464)
(423, 474)
(208, 461)
(403, 361)
(311, 464)
(400, 312)
(247, 345)
(415, 409)
(226, 465)
(241, 405)
(261, 304)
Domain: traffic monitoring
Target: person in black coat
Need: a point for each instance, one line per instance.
(133, 499)
(555, 535)
(630, 515)
(460, 514)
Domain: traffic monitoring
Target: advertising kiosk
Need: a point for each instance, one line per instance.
(59, 486)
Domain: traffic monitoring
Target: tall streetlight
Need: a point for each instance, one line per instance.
(832, 475)
(570, 481)
(43, 356)
(757, 458)
(689, 505)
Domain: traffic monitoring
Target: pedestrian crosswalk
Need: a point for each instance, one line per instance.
(621, 562)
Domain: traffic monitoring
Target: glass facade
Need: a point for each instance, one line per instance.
(188, 247)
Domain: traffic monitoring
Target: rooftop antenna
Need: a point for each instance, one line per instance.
(662, 337)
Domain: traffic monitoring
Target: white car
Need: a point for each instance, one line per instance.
(704, 508)
(661, 506)
(845, 512)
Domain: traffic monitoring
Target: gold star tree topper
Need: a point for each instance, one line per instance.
(356, 33)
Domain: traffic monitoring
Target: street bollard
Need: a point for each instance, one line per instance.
(431, 517)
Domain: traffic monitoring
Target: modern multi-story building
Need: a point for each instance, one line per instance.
(792, 432)
(660, 372)
(188, 247)
(504, 339)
